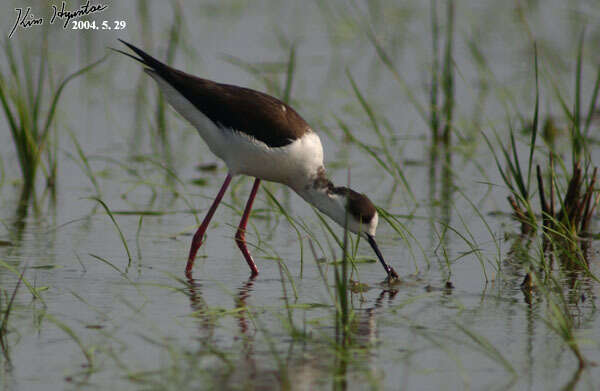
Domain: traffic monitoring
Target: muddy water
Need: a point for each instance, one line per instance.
(141, 324)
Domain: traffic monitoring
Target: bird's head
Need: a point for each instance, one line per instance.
(346, 207)
(356, 207)
(340, 203)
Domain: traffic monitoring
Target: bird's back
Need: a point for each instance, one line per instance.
(254, 133)
(258, 115)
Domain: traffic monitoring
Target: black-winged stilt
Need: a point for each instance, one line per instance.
(258, 135)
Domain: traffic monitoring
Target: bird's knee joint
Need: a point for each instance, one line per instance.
(240, 237)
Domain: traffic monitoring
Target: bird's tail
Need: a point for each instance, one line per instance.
(144, 58)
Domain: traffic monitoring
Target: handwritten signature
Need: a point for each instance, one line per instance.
(26, 19)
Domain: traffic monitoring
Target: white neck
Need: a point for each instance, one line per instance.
(334, 206)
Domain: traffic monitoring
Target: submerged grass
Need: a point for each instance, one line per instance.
(190, 363)
(5, 311)
(567, 202)
(579, 202)
(488, 349)
(543, 281)
(561, 320)
(34, 292)
(88, 353)
(108, 211)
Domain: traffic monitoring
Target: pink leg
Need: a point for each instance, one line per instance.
(240, 236)
(197, 241)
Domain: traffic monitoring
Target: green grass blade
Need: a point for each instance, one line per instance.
(6, 315)
(107, 209)
(106, 262)
(31, 288)
(12, 63)
(447, 71)
(383, 56)
(28, 75)
(14, 128)
(534, 129)
(255, 71)
(292, 223)
(39, 93)
(87, 168)
(67, 330)
(518, 175)
(291, 68)
(505, 178)
(563, 104)
(433, 95)
(382, 141)
(488, 348)
(593, 101)
(57, 94)
(575, 129)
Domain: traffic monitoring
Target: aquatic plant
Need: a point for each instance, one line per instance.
(29, 117)
(6, 307)
(579, 201)
(161, 107)
(513, 176)
(434, 115)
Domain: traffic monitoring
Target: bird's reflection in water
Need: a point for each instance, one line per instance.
(366, 331)
(201, 310)
(366, 334)
(358, 350)
(247, 334)
(301, 366)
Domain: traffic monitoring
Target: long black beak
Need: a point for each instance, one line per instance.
(388, 269)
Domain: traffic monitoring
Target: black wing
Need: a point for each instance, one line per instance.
(254, 113)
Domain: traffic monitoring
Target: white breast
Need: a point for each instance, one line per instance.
(294, 164)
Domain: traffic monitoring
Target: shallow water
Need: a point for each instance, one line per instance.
(142, 325)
